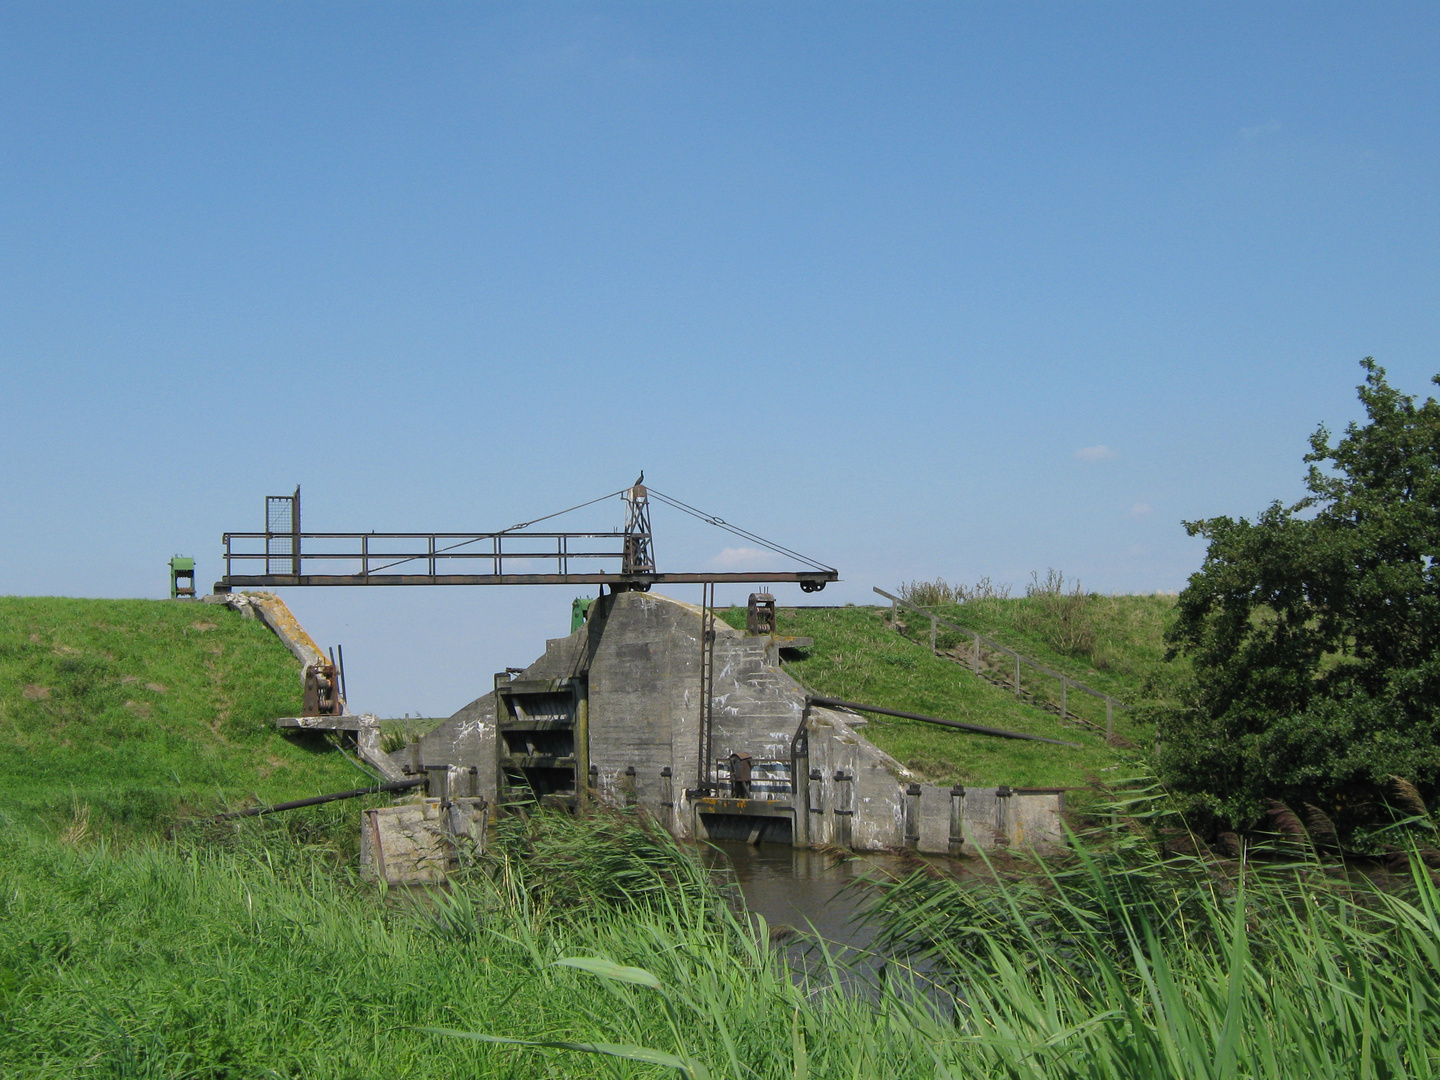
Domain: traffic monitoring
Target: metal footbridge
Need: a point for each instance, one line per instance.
(284, 556)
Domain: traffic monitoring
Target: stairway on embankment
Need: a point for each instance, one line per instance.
(861, 654)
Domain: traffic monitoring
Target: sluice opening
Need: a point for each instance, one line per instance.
(539, 743)
(524, 784)
(748, 829)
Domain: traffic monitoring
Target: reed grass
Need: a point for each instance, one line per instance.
(1146, 958)
(263, 955)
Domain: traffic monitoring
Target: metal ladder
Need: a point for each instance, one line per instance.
(704, 782)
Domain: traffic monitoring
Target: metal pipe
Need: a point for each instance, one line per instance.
(707, 684)
(836, 703)
(256, 811)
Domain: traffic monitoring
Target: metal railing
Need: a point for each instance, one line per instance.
(978, 640)
(367, 554)
(768, 779)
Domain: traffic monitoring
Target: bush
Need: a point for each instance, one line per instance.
(938, 592)
(1061, 615)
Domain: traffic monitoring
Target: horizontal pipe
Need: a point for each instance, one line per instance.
(836, 703)
(255, 811)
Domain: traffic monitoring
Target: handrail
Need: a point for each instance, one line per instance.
(1065, 680)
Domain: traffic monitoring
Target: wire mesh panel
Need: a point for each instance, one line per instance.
(282, 529)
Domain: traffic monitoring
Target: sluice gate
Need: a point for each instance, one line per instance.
(649, 702)
(613, 713)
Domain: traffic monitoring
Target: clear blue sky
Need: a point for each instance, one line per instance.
(968, 289)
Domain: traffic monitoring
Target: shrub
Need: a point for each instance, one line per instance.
(1061, 615)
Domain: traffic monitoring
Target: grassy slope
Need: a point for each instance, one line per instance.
(858, 655)
(1127, 660)
(137, 708)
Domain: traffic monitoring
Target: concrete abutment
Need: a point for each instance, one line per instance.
(808, 775)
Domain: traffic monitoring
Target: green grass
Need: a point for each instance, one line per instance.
(1125, 657)
(591, 947)
(859, 656)
(129, 713)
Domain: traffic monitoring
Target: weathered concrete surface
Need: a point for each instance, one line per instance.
(467, 738)
(418, 842)
(640, 653)
(1035, 821)
(274, 612)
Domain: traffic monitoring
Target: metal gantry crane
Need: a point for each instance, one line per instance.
(290, 557)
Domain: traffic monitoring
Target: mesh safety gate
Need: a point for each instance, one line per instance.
(282, 533)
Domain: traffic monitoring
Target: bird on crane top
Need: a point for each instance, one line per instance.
(641, 480)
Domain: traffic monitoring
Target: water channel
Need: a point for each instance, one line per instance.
(818, 895)
(812, 891)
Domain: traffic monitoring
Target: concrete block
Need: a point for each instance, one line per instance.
(418, 842)
(980, 819)
(1035, 820)
(934, 809)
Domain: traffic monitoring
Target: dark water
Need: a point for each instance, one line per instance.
(808, 890)
(821, 898)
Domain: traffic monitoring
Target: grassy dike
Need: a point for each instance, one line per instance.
(860, 655)
(119, 715)
(160, 943)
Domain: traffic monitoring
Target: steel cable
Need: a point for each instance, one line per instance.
(745, 534)
(501, 532)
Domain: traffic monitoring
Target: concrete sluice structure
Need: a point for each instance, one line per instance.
(612, 713)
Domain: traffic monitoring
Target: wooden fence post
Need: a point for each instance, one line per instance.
(1109, 717)
(976, 663)
(933, 625)
(1064, 698)
(1017, 674)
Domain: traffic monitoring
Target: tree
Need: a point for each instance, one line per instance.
(1314, 631)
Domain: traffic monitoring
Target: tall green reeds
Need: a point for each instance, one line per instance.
(597, 947)
(1142, 958)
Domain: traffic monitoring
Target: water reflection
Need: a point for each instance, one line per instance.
(802, 888)
(822, 897)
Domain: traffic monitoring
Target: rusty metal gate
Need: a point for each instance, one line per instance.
(541, 740)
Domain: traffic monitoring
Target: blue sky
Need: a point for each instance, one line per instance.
(960, 290)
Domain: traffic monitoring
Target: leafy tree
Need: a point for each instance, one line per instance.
(1314, 631)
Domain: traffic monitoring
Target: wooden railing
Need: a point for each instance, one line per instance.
(1066, 682)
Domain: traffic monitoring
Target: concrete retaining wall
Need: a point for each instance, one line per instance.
(640, 654)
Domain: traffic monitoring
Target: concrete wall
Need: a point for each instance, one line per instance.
(641, 655)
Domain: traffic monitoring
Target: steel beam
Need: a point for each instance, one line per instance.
(817, 578)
